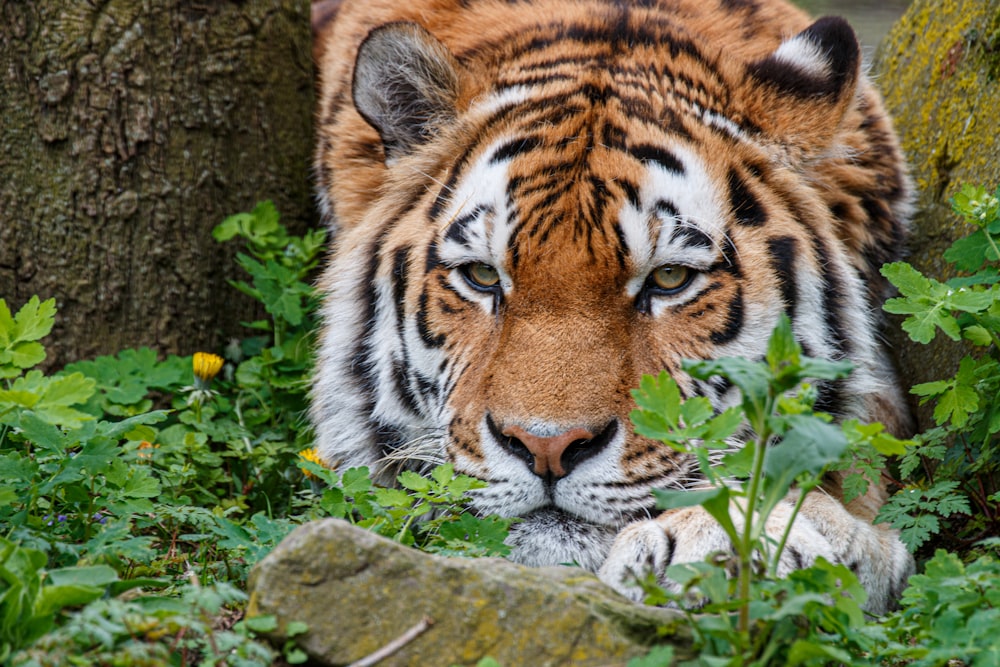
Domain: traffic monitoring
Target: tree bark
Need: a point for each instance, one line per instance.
(939, 71)
(128, 130)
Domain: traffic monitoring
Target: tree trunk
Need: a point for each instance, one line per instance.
(128, 129)
(939, 71)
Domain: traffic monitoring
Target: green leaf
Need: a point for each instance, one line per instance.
(660, 396)
(978, 335)
(356, 481)
(674, 499)
(808, 446)
(26, 354)
(907, 279)
(960, 399)
(265, 623)
(54, 598)
(658, 656)
(411, 480)
(92, 575)
(782, 348)
(968, 253)
(35, 319)
(141, 484)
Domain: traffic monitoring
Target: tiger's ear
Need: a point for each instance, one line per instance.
(807, 84)
(406, 84)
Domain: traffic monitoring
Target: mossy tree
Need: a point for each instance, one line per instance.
(127, 131)
(939, 70)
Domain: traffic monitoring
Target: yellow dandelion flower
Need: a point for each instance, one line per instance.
(312, 456)
(206, 366)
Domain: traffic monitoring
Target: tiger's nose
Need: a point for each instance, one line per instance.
(553, 456)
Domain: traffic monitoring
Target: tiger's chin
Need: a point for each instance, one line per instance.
(551, 536)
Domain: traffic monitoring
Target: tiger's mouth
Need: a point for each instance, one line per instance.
(552, 536)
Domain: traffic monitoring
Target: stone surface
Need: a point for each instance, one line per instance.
(938, 70)
(357, 592)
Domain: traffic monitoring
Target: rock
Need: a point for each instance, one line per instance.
(938, 71)
(358, 591)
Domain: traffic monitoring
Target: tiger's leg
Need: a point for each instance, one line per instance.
(823, 528)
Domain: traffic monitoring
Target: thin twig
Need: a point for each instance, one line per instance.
(395, 645)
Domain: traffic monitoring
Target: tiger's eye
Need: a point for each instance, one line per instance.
(482, 275)
(671, 277)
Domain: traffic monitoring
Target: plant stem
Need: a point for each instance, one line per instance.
(773, 567)
(749, 529)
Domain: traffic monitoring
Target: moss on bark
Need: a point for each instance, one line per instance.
(938, 70)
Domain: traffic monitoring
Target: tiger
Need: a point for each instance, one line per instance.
(533, 203)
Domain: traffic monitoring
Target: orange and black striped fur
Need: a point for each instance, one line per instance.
(535, 202)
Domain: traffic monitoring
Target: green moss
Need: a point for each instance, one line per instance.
(937, 70)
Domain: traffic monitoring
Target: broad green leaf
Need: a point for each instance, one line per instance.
(7, 331)
(8, 495)
(724, 425)
(141, 484)
(660, 396)
(16, 467)
(356, 481)
(931, 388)
(808, 446)
(782, 348)
(26, 354)
(750, 377)
(267, 623)
(668, 499)
(978, 335)
(92, 575)
(334, 503)
(968, 253)
(969, 300)
(40, 432)
(718, 506)
(35, 319)
(443, 474)
(658, 656)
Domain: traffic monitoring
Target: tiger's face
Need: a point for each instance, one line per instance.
(543, 236)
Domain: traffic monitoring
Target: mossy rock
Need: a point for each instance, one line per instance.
(357, 592)
(939, 71)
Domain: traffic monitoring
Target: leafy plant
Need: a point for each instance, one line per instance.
(755, 619)
(953, 475)
(426, 512)
(949, 613)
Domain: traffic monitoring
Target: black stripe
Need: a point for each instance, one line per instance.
(657, 155)
(783, 251)
(402, 385)
(362, 364)
(621, 251)
(734, 320)
(691, 237)
(513, 148)
(399, 274)
(745, 206)
(430, 339)
(831, 397)
(667, 209)
(630, 190)
(457, 230)
(833, 298)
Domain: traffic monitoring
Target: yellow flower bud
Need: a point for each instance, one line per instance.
(206, 365)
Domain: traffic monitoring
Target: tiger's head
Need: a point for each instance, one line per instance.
(527, 227)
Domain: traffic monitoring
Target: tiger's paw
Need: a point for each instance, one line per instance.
(691, 535)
